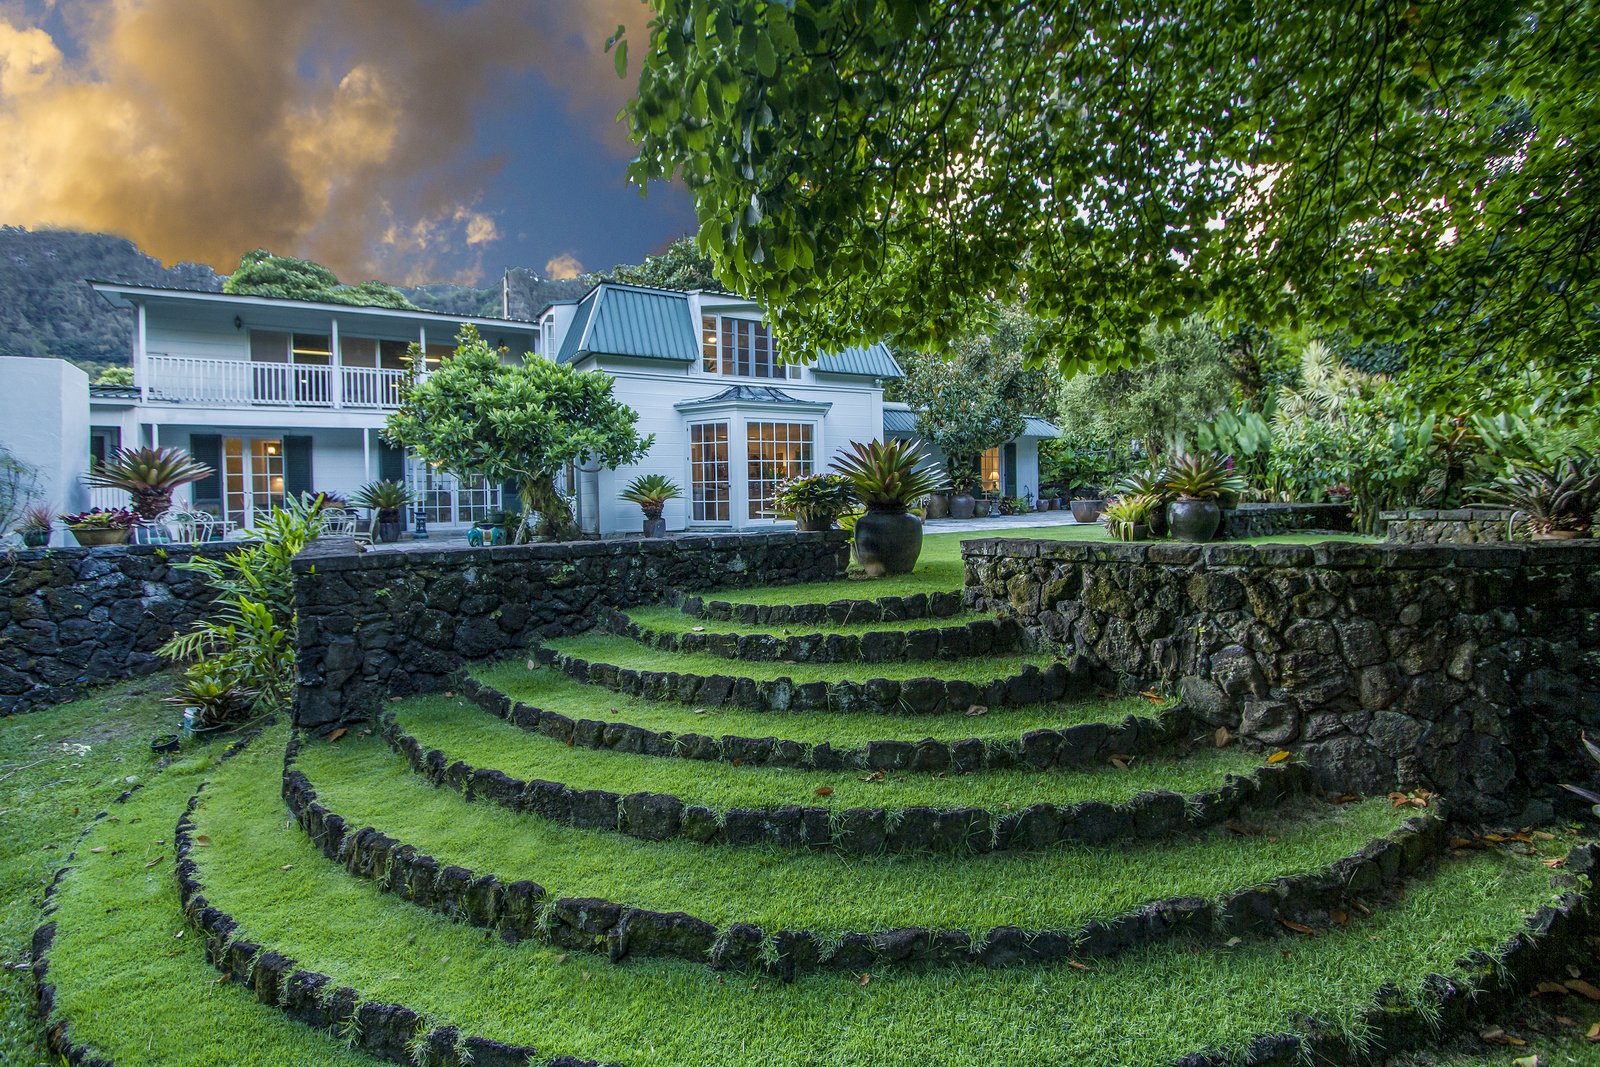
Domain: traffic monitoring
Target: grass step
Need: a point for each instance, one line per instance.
(791, 606)
(717, 803)
(1045, 736)
(884, 688)
(953, 640)
(457, 872)
(1138, 1008)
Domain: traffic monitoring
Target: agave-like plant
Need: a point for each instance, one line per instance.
(651, 492)
(1592, 797)
(149, 475)
(889, 475)
(1200, 476)
(1148, 482)
(382, 496)
(1557, 498)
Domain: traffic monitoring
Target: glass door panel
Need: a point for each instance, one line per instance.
(775, 451)
(710, 482)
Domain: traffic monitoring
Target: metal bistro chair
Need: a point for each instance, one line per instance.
(340, 522)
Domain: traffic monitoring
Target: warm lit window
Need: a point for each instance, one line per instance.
(709, 485)
(738, 347)
(989, 470)
(776, 450)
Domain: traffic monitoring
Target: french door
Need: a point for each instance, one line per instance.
(710, 478)
(252, 477)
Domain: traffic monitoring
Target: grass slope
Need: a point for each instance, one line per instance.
(130, 979)
(624, 652)
(1147, 1008)
(554, 691)
(464, 732)
(784, 889)
(939, 570)
(667, 619)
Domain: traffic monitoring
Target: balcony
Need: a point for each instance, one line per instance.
(244, 383)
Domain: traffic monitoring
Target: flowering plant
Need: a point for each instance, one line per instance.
(95, 519)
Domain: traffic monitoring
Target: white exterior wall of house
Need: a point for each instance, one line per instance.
(44, 421)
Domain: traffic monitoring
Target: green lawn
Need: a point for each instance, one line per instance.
(939, 569)
(551, 690)
(822, 892)
(463, 732)
(625, 652)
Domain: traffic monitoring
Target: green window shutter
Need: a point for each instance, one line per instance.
(207, 492)
(1008, 470)
(391, 463)
(296, 466)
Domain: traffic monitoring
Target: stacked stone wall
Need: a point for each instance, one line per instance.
(1470, 670)
(1455, 526)
(1266, 520)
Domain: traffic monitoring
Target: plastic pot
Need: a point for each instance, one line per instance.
(888, 542)
(1193, 520)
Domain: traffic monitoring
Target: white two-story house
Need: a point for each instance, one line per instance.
(283, 397)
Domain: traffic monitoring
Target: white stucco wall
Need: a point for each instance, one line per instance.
(44, 421)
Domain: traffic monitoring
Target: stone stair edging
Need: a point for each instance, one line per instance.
(524, 909)
(855, 831)
(880, 609)
(1041, 748)
(884, 696)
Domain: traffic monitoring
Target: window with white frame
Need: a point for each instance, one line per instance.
(449, 500)
(741, 348)
(774, 451)
(710, 485)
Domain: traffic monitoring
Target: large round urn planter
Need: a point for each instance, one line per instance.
(96, 538)
(962, 506)
(35, 538)
(1193, 520)
(388, 525)
(1088, 510)
(888, 542)
(938, 505)
(813, 522)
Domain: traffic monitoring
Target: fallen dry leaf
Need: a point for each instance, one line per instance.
(1584, 989)
(1593, 1034)
(1299, 928)
(1555, 988)
(1498, 1036)
(1075, 965)
(1119, 762)
(1557, 863)
(1222, 737)
(340, 732)
(1528, 1061)
(975, 710)
(875, 776)
(1278, 756)
(1340, 917)
(153, 862)
(864, 979)
(98, 849)
(824, 790)
(1152, 696)
(698, 629)
(1346, 798)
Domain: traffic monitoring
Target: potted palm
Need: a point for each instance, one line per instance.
(94, 527)
(814, 500)
(1558, 500)
(385, 499)
(651, 492)
(888, 477)
(1196, 481)
(37, 524)
(149, 475)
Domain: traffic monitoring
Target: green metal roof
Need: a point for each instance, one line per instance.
(904, 422)
(874, 361)
(1033, 426)
(623, 320)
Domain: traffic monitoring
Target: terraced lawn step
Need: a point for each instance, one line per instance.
(905, 688)
(1040, 737)
(958, 638)
(1162, 1004)
(720, 804)
(460, 881)
(736, 606)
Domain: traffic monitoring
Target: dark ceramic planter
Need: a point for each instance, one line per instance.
(1087, 510)
(962, 506)
(1158, 521)
(1193, 520)
(1227, 500)
(938, 505)
(389, 525)
(888, 542)
(813, 522)
(655, 527)
(35, 538)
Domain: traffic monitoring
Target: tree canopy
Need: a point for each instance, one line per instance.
(681, 266)
(1418, 173)
(261, 273)
(515, 422)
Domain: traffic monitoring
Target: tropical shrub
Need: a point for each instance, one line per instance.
(817, 496)
(1124, 513)
(248, 641)
(888, 475)
(651, 492)
(1593, 798)
(149, 475)
(1559, 497)
(96, 519)
(36, 518)
(1200, 476)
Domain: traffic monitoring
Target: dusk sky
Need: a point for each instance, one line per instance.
(407, 140)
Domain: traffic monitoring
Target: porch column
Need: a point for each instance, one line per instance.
(335, 366)
(366, 454)
(141, 356)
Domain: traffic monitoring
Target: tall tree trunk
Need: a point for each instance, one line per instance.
(540, 496)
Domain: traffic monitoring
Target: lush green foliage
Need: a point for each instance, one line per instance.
(973, 397)
(96, 519)
(888, 475)
(121, 376)
(36, 518)
(383, 495)
(149, 475)
(1124, 513)
(651, 492)
(680, 266)
(818, 496)
(1200, 476)
(1562, 496)
(247, 644)
(1412, 173)
(479, 415)
(261, 273)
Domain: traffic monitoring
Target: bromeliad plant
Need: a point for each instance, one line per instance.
(149, 475)
(1200, 476)
(1126, 517)
(651, 492)
(1558, 498)
(1592, 797)
(888, 476)
(95, 519)
(815, 500)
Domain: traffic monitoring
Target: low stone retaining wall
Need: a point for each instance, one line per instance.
(1457, 526)
(378, 624)
(74, 617)
(1469, 670)
(1265, 520)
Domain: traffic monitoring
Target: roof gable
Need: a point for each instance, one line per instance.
(624, 320)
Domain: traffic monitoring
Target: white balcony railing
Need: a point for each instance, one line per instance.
(244, 383)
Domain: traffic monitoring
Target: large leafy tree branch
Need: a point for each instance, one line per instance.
(1416, 172)
(479, 415)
